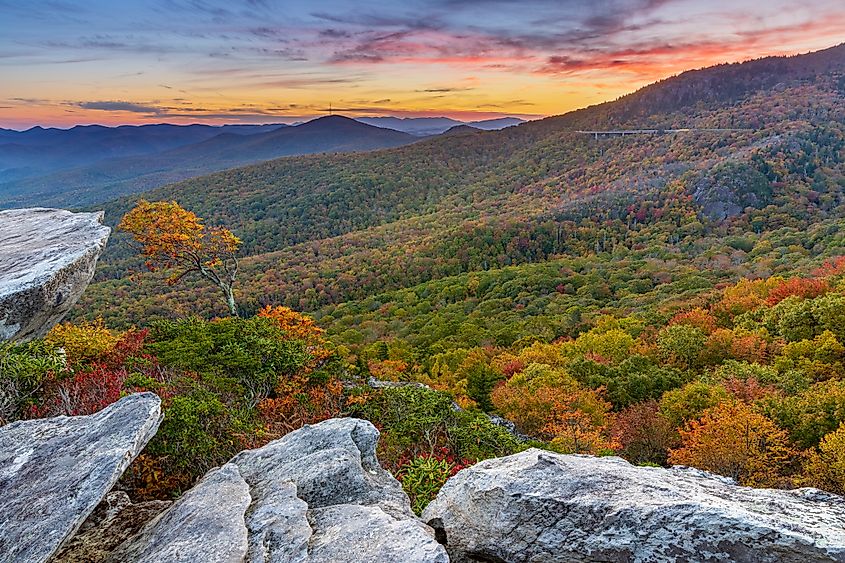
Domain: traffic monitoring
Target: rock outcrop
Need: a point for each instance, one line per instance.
(726, 190)
(541, 507)
(55, 471)
(317, 495)
(47, 259)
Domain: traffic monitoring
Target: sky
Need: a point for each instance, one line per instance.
(68, 62)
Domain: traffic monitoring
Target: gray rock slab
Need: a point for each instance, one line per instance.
(205, 525)
(350, 533)
(47, 259)
(315, 495)
(55, 471)
(540, 507)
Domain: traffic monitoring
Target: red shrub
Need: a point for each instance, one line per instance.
(806, 288)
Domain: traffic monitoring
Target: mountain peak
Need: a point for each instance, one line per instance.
(333, 118)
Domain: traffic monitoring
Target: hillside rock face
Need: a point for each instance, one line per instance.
(317, 495)
(47, 259)
(54, 472)
(540, 507)
(726, 190)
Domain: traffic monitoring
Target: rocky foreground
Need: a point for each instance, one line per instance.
(319, 495)
(47, 259)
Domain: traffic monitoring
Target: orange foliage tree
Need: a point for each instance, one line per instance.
(806, 288)
(643, 434)
(732, 440)
(579, 421)
(172, 237)
(300, 399)
(698, 317)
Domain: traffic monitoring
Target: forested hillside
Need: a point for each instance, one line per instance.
(324, 230)
(641, 294)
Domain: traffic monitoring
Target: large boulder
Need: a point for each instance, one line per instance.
(538, 506)
(55, 471)
(47, 259)
(317, 495)
(205, 525)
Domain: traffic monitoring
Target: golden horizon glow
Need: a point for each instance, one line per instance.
(260, 61)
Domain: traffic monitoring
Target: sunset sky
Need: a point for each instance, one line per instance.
(66, 62)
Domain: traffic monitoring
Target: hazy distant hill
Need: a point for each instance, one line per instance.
(424, 126)
(461, 130)
(86, 165)
(40, 149)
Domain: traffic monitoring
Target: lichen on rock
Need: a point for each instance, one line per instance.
(539, 506)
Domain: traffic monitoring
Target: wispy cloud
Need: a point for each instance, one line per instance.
(419, 54)
(120, 106)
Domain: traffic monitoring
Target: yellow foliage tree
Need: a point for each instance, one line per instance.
(732, 440)
(825, 467)
(83, 341)
(172, 237)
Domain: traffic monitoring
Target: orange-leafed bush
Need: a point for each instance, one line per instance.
(698, 317)
(298, 402)
(300, 327)
(643, 435)
(579, 421)
(528, 408)
(297, 325)
(387, 370)
(734, 441)
(806, 288)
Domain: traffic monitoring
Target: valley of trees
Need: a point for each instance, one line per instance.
(673, 298)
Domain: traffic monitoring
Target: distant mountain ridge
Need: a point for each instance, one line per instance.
(423, 126)
(89, 164)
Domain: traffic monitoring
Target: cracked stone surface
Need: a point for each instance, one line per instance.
(540, 507)
(205, 525)
(47, 259)
(317, 495)
(55, 471)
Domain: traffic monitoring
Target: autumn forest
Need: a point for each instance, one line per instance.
(671, 297)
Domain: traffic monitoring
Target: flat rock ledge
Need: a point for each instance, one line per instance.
(55, 471)
(317, 495)
(541, 507)
(47, 259)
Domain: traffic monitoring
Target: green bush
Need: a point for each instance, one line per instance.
(417, 421)
(422, 478)
(23, 369)
(253, 352)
